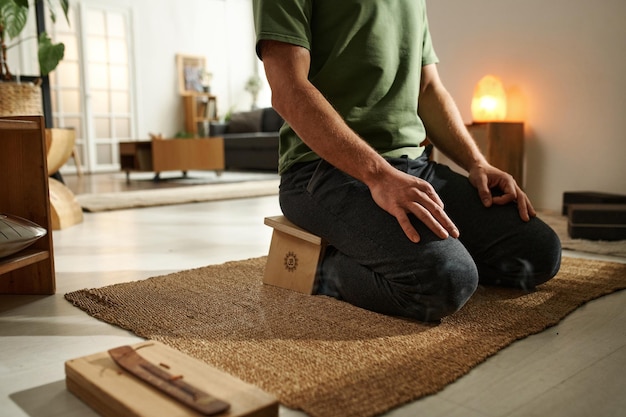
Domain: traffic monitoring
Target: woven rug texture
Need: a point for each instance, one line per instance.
(326, 357)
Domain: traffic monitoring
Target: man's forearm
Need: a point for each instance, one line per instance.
(318, 124)
(325, 132)
(445, 127)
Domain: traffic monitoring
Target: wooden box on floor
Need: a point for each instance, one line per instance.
(113, 392)
(293, 257)
(590, 197)
(597, 221)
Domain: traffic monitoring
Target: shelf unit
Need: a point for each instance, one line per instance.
(200, 110)
(25, 194)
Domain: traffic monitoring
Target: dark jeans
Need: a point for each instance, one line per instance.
(370, 263)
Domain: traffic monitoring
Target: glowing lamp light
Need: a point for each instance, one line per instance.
(489, 101)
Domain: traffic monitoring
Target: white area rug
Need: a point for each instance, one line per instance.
(177, 195)
(198, 177)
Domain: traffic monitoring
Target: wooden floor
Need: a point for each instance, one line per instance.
(577, 368)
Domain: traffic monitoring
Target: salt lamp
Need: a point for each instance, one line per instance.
(489, 100)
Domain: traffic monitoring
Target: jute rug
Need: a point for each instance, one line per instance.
(179, 195)
(326, 357)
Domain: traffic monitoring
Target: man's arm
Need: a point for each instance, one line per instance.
(446, 130)
(317, 123)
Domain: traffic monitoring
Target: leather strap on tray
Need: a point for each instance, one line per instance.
(127, 358)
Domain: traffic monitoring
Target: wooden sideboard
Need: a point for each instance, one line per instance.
(159, 155)
(24, 193)
(502, 143)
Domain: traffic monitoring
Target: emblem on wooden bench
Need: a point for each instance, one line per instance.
(291, 261)
(293, 256)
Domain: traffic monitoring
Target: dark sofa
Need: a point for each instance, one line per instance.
(250, 140)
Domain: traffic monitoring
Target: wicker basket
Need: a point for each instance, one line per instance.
(22, 99)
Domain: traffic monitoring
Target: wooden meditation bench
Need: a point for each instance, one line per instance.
(293, 256)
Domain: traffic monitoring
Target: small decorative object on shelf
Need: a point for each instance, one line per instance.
(17, 233)
(191, 70)
(205, 80)
(254, 86)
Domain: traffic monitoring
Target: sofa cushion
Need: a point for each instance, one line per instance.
(251, 140)
(244, 122)
(271, 120)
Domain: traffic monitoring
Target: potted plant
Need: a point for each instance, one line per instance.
(13, 18)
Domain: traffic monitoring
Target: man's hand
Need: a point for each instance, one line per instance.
(400, 194)
(487, 177)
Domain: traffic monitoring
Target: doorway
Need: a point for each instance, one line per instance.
(92, 89)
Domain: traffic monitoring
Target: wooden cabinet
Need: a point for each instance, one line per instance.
(200, 110)
(24, 193)
(502, 143)
(161, 155)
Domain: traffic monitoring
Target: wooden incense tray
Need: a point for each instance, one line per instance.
(114, 392)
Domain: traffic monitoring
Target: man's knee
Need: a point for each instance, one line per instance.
(536, 262)
(547, 260)
(448, 289)
(437, 286)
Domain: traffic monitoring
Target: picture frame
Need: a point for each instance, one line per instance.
(190, 72)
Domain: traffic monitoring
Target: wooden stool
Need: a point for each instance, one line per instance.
(293, 257)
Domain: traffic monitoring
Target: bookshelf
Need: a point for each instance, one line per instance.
(200, 110)
(25, 194)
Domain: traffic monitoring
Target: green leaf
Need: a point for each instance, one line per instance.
(13, 13)
(53, 15)
(65, 5)
(49, 54)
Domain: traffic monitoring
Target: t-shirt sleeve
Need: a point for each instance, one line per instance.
(283, 20)
(428, 51)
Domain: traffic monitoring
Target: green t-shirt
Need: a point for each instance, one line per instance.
(366, 59)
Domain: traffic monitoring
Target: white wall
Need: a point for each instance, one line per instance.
(565, 61)
(220, 30)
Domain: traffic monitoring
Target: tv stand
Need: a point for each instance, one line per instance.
(159, 155)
